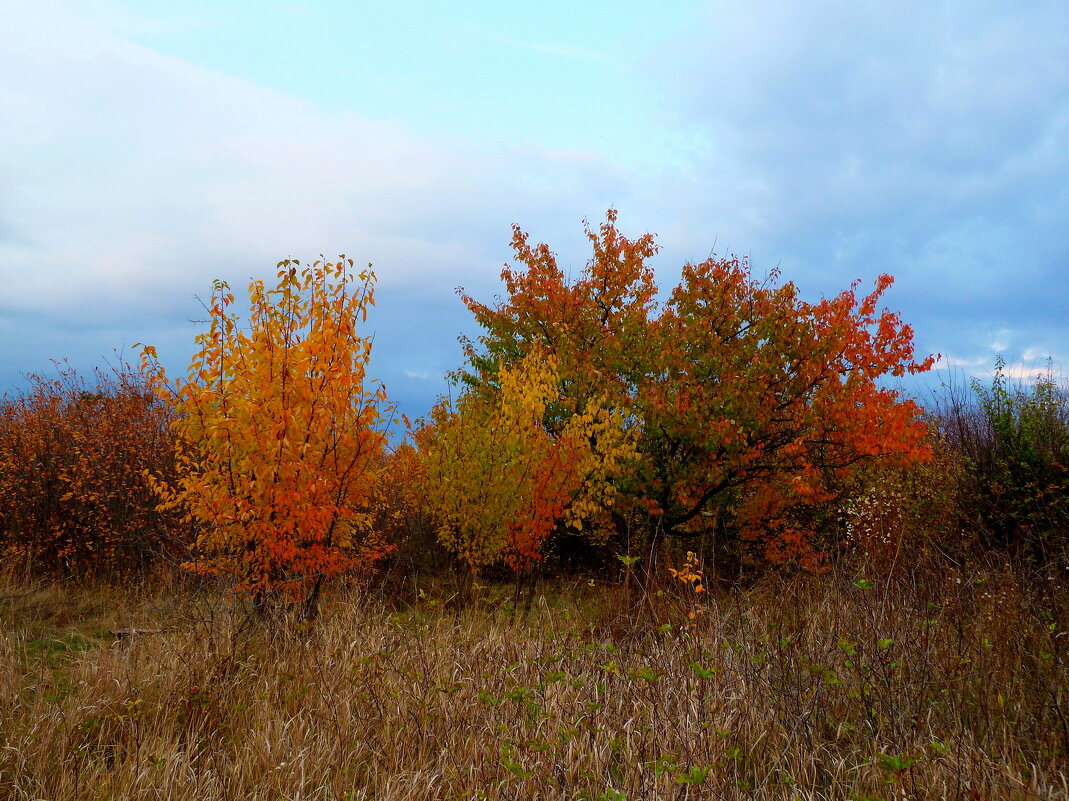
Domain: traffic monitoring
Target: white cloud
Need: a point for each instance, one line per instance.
(130, 179)
(148, 163)
(1001, 340)
(836, 140)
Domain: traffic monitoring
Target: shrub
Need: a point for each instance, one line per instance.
(400, 516)
(498, 483)
(1014, 441)
(279, 435)
(888, 514)
(73, 498)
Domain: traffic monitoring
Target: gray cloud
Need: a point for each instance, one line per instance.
(925, 140)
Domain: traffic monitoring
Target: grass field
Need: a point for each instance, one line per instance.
(941, 683)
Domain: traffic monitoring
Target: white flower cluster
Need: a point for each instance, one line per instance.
(873, 521)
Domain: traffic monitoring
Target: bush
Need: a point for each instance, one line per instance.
(73, 498)
(400, 517)
(888, 514)
(1014, 442)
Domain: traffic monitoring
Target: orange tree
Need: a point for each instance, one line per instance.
(278, 435)
(751, 402)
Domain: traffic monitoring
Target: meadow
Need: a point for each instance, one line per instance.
(940, 681)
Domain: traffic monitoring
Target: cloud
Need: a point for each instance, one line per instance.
(835, 140)
(926, 140)
(131, 179)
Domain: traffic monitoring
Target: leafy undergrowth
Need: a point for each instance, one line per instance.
(945, 684)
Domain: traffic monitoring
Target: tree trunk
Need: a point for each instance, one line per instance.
(310, 608)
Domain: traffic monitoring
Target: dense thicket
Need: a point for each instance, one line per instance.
(1012, 440)
(74, 500)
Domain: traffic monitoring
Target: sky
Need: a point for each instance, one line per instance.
(149, 147)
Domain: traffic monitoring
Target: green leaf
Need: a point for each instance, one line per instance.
(646, 674)
(515, 768)
(847, 647)
(896, 763)
(702, 672)
(695, 775)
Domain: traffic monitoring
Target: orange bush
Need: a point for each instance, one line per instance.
(396, 504)
(73, 497)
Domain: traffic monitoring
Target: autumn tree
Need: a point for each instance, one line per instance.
(764, 401)
(278, 435)
(498, 481)
(597, 327)
(749, 400)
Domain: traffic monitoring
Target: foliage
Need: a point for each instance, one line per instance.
(750, 402)
(691, 575)
(498, 482)
(1014, 441)
(890, 514)
(401, 518)
(598, 328)
(73, 500)
(277, 434)
(396, 505)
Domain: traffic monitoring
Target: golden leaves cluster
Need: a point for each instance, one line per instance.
(278, 436)
(498, 481)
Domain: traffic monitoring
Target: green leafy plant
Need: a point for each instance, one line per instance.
(1013, 439)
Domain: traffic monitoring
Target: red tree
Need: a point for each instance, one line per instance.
(750, 401)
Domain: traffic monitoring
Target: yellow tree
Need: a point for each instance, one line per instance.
(278, 435)
(498, 482)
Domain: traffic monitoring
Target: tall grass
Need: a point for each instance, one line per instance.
(943, 682)
(921, 666)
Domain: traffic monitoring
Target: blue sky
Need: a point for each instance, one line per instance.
(148, 147)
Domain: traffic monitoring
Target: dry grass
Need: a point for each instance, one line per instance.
(951, 684)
